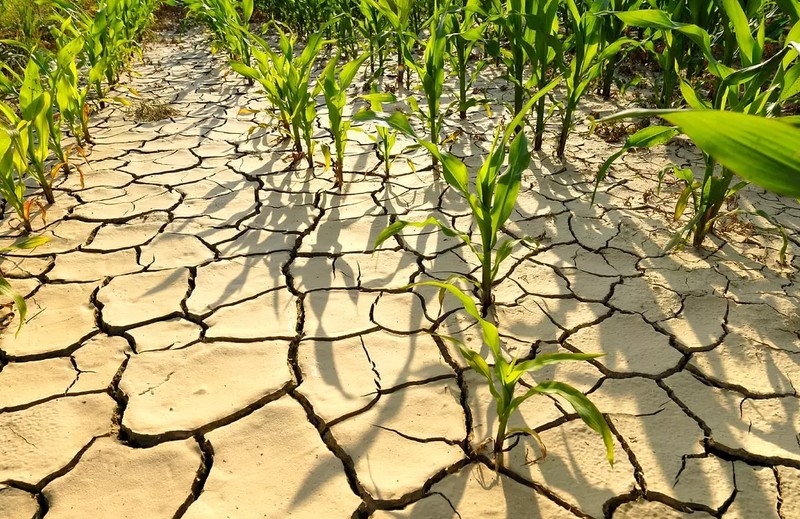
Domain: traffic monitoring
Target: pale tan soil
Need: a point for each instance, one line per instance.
(211, 333)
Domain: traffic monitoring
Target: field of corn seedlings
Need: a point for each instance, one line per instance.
(401, 258)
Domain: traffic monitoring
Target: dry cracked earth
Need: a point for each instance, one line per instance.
(212, 335)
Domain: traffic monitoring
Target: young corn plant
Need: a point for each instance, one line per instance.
(758, 89)
(431, 74)
(512, 17)
(25, 242)
(286, 80)
(613, 29)
(463, 34)
(14, 169)
(223, 19)
(80, 24)
(34, 125)
(587, 61)
(493, 199)
(504, 379)
(386, 136)
(547, 49)
(65, 80)
(335, 82)
(397, 14)
(373, 29)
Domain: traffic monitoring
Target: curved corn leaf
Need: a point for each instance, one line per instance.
(399, 225)
(26, 242)
(19, 302)
(763, 151)
(582, 405)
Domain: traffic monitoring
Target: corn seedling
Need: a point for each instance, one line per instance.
(587, 62)
(373, 28)
(613, 29)
(504, 378)
(512, 17)
(335, 82)
(463, 35)
(65, 81)
(546, 50)
(34, 125)
(13, 170)
(431, 74)
(26, 242)
(397, 14)
(757, 89)
(223, 19)
(386, 136)
(495, 192)
(286, 80)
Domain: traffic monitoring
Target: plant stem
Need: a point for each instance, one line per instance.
(462, 81)
(48, 193)
(611, 67)
(486, 281)
(562, 141)
(539, 138)
(499, 441)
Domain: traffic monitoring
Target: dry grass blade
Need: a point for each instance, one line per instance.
(151, 111)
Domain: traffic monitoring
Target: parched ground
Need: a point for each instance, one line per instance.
(212, 335)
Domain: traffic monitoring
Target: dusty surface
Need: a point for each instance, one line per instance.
(211, 333)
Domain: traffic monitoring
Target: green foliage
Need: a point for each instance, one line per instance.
(588, 59)
(286, 79)
(431, 74)
(334, 86)
(463, 35)
(374, 30)
(760, 87)
(494, 196)
(26, 242)
(226, 23)
(397, 14)
(13, 170)
(33, 125)
(504, 378)
(386, 136)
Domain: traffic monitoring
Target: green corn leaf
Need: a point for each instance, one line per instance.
(741, 29)
(473, 358)
(585, 409)
(350, 70)
(549, 359)
(504, 250)
(380, 97)
(652, 18)
(247, 10)
(683, 201)
(399, 225)
(691, 97)
(455, 172)
(507, 188)
(760, 150)
(19, 302)
(26, 242)
(395, 120)
(490, 334)
(244, 70)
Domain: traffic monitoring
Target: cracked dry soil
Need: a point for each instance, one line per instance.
(212, 335)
